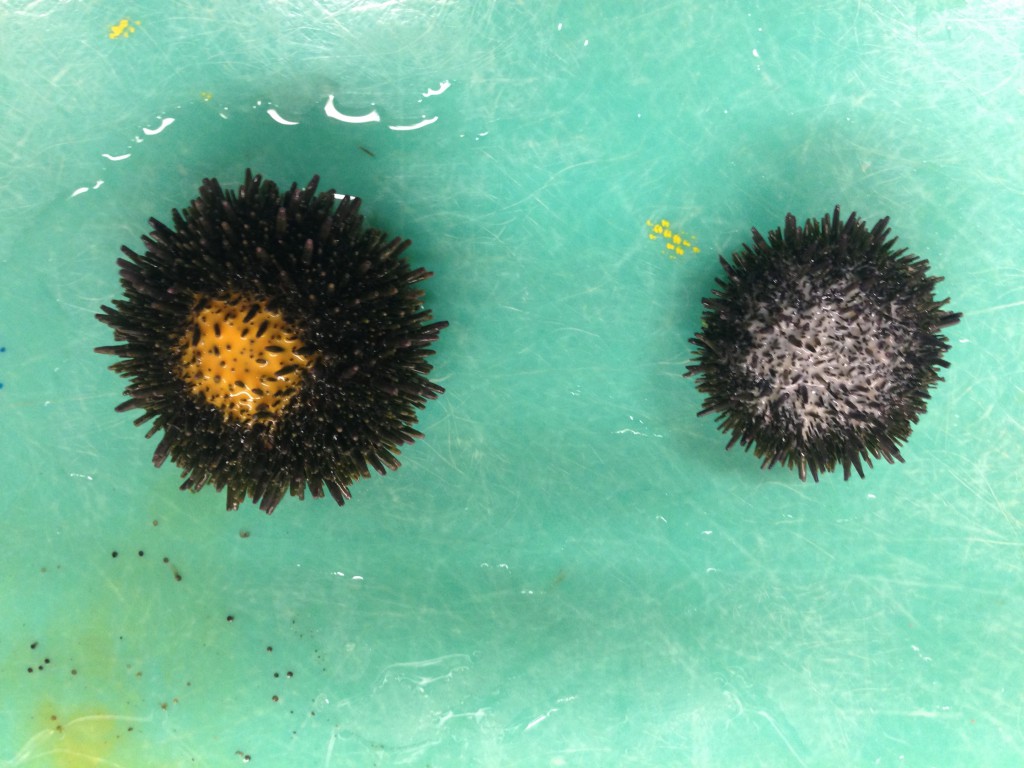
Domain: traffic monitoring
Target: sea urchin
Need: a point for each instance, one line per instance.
(820, 345)
(276, 343)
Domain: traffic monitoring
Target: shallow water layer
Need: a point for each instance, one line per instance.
(569, 569)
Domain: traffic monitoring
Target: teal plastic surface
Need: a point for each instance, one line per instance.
(570, 570)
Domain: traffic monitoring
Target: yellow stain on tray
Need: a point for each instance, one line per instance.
(677, 242)
(91, 738)
(123, 28)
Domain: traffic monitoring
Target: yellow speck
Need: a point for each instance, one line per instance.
(123, 28)
(205, 95)
(675, 243)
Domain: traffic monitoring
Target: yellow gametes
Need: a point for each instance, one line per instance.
(677, 243)
(244, 358)
(123, 28)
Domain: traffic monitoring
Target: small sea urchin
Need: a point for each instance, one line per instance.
(276, 343)
(820, 345)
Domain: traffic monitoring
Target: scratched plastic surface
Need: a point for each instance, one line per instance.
(569, 570)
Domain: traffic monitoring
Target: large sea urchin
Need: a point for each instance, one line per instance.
(820, 345)
(276, 343)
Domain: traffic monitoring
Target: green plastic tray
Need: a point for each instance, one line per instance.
(569, 570)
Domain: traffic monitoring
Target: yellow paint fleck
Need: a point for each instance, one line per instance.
(675, 242)
(123, 28)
